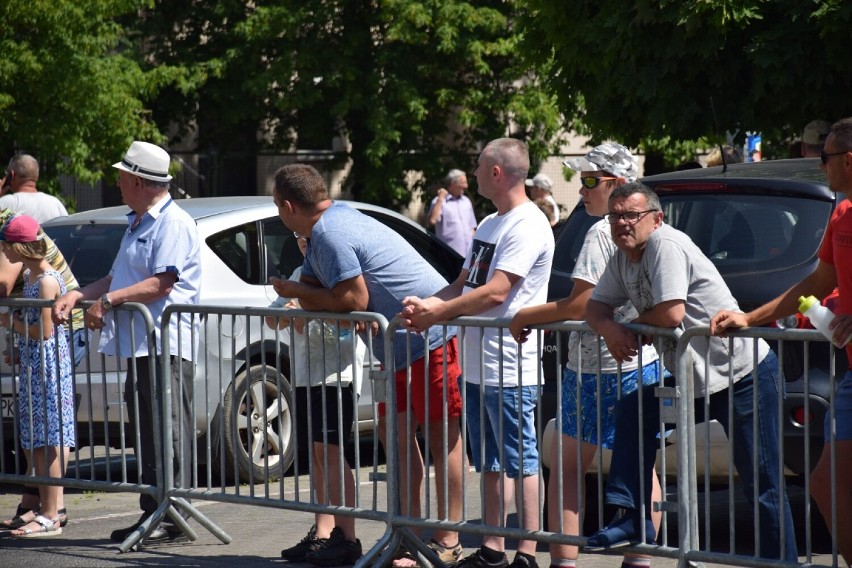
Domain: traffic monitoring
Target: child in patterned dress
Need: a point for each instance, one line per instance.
(45, 384)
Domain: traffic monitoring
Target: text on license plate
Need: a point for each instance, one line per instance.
(7, 407)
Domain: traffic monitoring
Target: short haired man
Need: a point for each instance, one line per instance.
(451, 213)
(24, 197)
(158, 264)
(813, 137)
(508, 267)
(355, 263)
(833, 270)
(541, 187)
(672, 284)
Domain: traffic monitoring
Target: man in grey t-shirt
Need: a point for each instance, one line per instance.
(672, 284)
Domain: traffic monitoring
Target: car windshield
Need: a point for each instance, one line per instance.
(739, 232)
(89, 249)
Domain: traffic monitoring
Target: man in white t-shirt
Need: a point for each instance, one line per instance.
(23, 197)
(507, 267)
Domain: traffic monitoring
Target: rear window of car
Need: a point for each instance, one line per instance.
(88, 249)
(739, 232)
(747, 232)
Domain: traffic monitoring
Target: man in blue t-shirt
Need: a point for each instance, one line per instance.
(355, 263)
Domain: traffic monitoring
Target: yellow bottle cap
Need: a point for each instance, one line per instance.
(805, 303)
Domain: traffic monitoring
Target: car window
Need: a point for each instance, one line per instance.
(238, 248)
(88, 249)
(747, 232)
(282, 253)
(739, 232)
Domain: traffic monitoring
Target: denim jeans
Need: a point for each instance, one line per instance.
(624, 477)
(501, 411)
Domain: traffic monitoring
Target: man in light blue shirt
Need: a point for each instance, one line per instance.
(158, 264)
(355, 263)
(451, 213)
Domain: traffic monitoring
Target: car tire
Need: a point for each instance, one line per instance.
(262, 449)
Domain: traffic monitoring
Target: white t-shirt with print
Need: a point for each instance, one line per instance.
(519, 242)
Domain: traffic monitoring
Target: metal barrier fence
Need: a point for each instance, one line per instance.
(277, 389)
(705, 453)
(254, 421)
(99, 410)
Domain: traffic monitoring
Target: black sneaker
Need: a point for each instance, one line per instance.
(523, 562)
(308, 544)
(337, 551)
(478, 560)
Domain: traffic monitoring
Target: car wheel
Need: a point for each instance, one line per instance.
(257, 420)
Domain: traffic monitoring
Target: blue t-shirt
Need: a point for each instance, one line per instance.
(345, 243)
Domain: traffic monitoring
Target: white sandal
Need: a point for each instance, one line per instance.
(49, 527)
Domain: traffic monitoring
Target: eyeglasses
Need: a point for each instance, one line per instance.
(630, 217)
(824, 156)
(591, 182)
(299, 237)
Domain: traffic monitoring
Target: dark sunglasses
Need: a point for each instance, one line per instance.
(591, 182)
(824, 156)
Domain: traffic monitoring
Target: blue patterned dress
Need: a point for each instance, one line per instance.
(49, 387)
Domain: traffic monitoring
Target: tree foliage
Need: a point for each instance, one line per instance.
(413, 85)
(72, 90)
(634, 70)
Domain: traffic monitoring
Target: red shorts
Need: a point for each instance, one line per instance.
(438, 388)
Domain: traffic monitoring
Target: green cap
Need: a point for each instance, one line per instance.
(805, 303)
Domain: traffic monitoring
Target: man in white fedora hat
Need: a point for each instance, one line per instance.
(158, 264)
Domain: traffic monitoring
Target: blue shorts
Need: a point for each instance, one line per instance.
(483, 427)
(842, 410)
(589, 401)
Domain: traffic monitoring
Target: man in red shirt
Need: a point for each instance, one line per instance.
(834, 270)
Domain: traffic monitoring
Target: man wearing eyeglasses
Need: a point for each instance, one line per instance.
(673, 285)
(833, 270)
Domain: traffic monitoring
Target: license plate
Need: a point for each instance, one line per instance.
(7, 407)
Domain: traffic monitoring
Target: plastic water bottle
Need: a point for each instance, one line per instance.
(819, 315)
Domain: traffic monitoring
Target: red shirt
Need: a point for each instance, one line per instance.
(836, 250)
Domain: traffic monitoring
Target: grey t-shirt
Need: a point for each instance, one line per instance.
(672, 267)
(597, 249)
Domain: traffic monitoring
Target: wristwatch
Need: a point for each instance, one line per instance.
(105, 302)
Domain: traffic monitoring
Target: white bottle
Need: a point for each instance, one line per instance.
(819, 315)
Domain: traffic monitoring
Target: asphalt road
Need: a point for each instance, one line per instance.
(258, 534)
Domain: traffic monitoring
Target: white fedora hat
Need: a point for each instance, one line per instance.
(147, 161)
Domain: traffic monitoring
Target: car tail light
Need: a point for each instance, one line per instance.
(798, 416)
